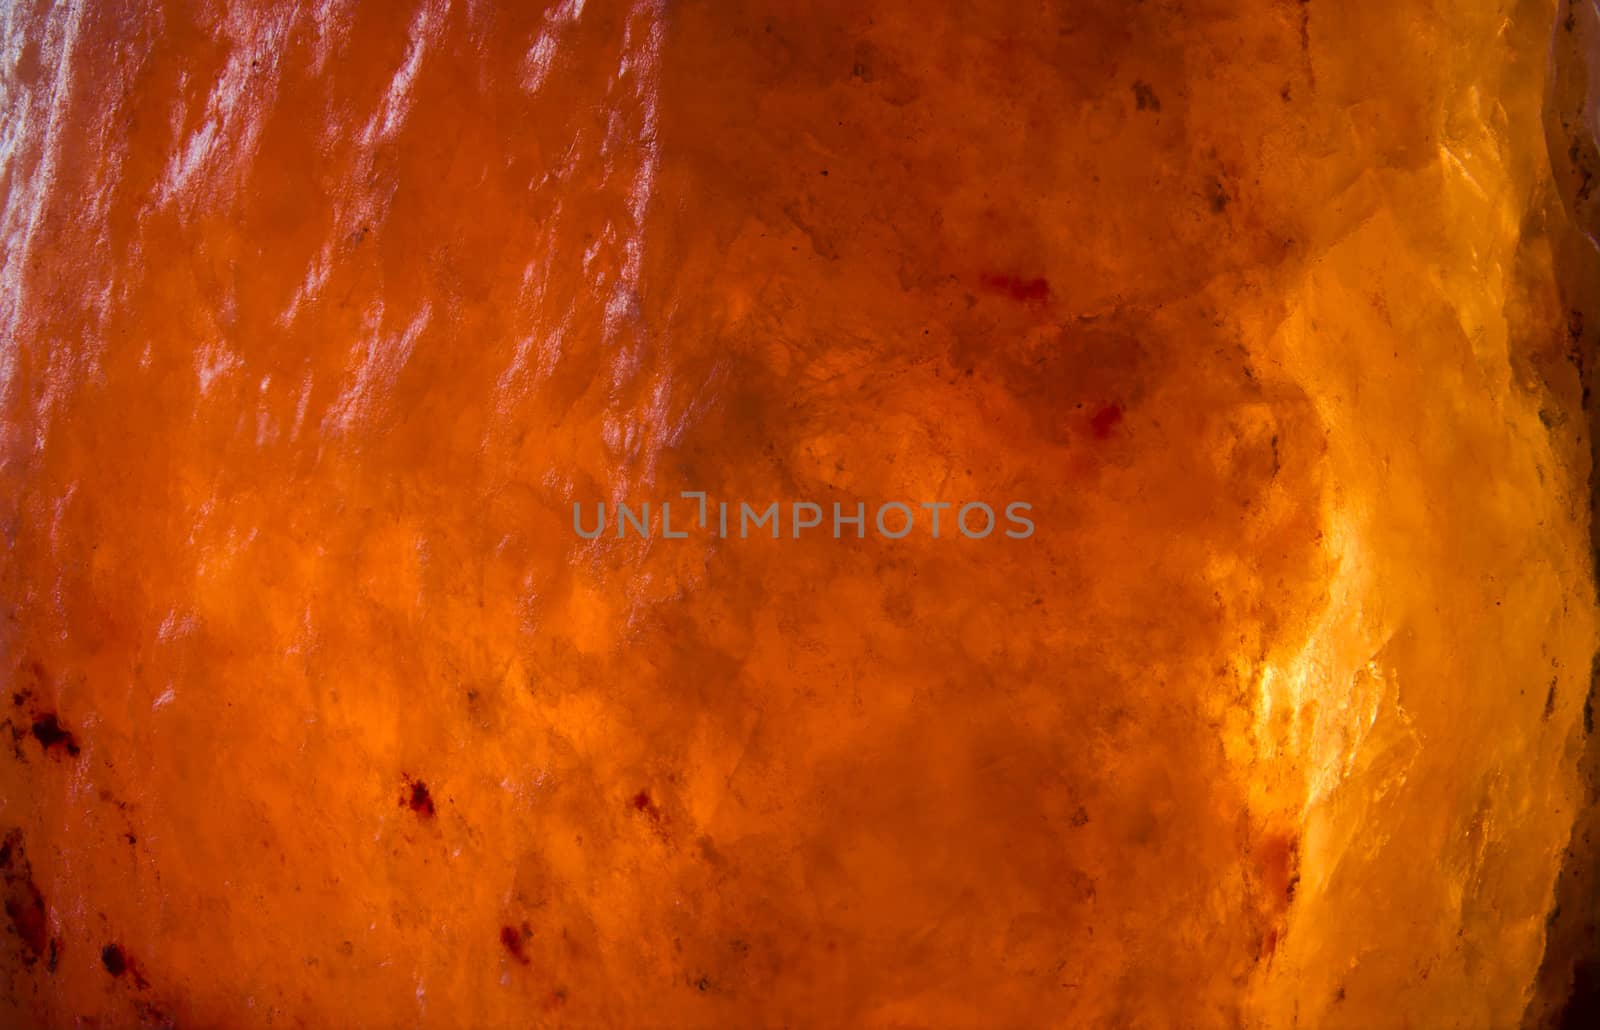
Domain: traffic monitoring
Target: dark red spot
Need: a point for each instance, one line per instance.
(48, 732)
(645, 804)
(117, 963)
(1278, 863)
(1023, 291)
(24, 904)
(419, 800)
(511, 937)
(1105, 420)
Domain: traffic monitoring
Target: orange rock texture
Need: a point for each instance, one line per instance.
(318, 319)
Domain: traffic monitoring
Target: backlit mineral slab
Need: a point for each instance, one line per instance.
(698, 513)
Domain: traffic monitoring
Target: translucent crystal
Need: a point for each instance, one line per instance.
(316, 321)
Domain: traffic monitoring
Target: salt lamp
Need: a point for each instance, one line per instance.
(613, 513)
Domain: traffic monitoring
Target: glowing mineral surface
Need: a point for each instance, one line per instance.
(317, 320)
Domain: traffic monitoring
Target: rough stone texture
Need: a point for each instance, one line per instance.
(318, 318)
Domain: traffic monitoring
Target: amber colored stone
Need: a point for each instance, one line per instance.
(317, 319)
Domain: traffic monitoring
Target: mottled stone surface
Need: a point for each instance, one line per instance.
(318, 319)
